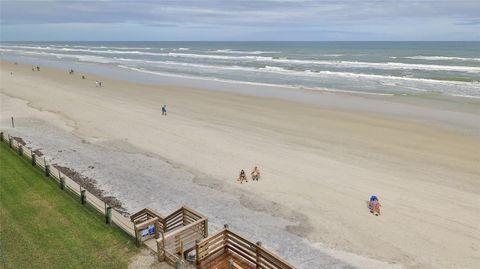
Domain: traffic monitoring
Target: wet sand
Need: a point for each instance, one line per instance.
(319, 166)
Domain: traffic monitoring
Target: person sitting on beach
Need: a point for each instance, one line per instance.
(33, 69)
(71, 72)
(38, 68)
(374, 205)
(255, 173)
(83, 76)
(242, 177)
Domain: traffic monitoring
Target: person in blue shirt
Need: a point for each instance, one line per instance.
(374, 205)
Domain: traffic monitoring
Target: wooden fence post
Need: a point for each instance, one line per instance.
(184, 218)
(197, 258)
(136, 233)
(162, 250)
(62, 183)
(10, 141)
(257, 250)
(181, 249)
(1, 136)
(157, 229)
(47, 169)
(34, 162)
(108, 215)
(83, 197)
(205, 233)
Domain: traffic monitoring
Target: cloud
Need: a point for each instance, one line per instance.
(276, 15)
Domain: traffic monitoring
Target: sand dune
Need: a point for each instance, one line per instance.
(318, 164)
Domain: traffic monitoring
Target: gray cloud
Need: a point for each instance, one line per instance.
(232, 12)
(276, 15)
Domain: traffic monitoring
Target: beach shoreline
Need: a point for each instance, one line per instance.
(310, 156)
(460, 113)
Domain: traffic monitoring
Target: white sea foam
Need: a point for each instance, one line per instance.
(256, 52)
(310, 73)
(83, 58)
(441, 58)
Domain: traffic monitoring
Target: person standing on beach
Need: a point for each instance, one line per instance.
(97, 83)
(38, 68)
(164, 110)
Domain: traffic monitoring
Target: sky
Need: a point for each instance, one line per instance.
(240, 20)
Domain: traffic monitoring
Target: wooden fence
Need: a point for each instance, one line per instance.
(66, 183)
(176, 234)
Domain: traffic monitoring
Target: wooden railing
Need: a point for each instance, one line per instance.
(147, 218)
(217, 250)
(143, 220)
(184, 227)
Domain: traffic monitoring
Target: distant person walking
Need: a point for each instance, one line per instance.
(100, 84)
(164, 110)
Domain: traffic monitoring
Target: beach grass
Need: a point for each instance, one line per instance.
(44, 227)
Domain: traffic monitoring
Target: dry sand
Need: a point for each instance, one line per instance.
(319, 166)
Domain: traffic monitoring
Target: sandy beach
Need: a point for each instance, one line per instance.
(319, 166)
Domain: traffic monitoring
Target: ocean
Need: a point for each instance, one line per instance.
(384, 68)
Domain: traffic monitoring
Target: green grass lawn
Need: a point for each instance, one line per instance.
(42, 226)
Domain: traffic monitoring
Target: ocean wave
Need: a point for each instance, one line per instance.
(440, 58)
(385, 66)
(255, 52)
(80, 48)
(340, 64)
(99, 47)
(218, 57)
(82, 58)
(305, 73)
(288, 86)
(313, 73)
(345, 64)
(266, 69)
